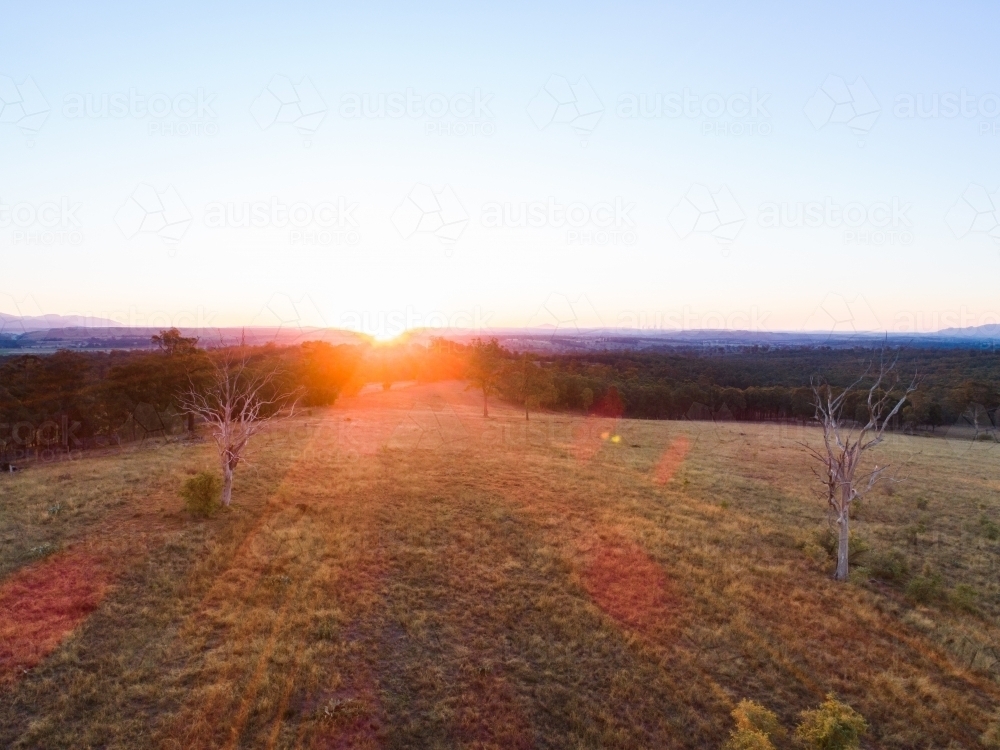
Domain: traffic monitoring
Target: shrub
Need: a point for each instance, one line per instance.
(890, 566)
(202, 494)
(924, 588)
(832, 726)
(829, 539)
(989, 529)
(755, 726)
(815, 552)
(859, 575)
(964, 597)
(748, 739)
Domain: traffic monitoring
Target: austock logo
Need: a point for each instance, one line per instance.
(976, 211)
(601, 223)
(840, 314)
(877, 223)
(50, 440)
(296, 104)
(731, 114)
(702, 211)
(44, 224)
(951, 105)
(456, 114)
(575, 105)
(839, 102)
(296, 315)
(22, 105)
(181, 114)
(150, 212)
(326, 223)
(561, 313)
(424, 211)
(687, 319)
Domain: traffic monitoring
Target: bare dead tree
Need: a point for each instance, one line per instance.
(238, 403)
(845, 443)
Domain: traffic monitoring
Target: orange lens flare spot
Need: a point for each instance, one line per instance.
(628, 586)
(671, 460)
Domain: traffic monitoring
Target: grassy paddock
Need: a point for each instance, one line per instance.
(400, 572)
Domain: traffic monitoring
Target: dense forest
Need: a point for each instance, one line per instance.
(768, 384)
(73, 400)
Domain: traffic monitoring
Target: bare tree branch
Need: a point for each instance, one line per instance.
(238, 404)
(845, 443)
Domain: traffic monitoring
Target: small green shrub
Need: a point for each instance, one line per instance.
(889, 566)
(925, 588)
(755, 727)
(859, 575)
(202, 494)
(829, 539)
(921, 503)
(963, 596)
(988, 529)
(815, 552)
(832, 726)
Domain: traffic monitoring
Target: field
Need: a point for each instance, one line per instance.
(399, 572)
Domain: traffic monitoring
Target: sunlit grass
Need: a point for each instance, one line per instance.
(400, 572)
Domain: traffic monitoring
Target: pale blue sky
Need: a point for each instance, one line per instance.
(368, 258)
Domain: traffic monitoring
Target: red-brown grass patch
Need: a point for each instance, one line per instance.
(495, 720)
(44, 603)
(628, 586)
(671, 460)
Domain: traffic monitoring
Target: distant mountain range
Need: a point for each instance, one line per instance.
(13, 324)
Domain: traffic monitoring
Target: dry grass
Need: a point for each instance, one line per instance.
(399, 572)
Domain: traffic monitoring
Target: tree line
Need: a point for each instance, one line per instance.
(73, 400)
(758, 384)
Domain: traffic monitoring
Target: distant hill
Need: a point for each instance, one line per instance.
(985, 332)
(15, 325)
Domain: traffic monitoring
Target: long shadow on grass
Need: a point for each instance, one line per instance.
(490, 641)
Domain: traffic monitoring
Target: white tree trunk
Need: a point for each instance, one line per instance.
(227, 484)
(844, 539)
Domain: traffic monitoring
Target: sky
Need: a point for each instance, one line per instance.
(380, 167)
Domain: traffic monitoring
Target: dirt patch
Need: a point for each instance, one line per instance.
(42, 604)
(671, 460)
(628, 586)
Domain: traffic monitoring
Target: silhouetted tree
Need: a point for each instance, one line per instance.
(485, 368)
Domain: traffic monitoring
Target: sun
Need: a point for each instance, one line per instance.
(384, 337)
